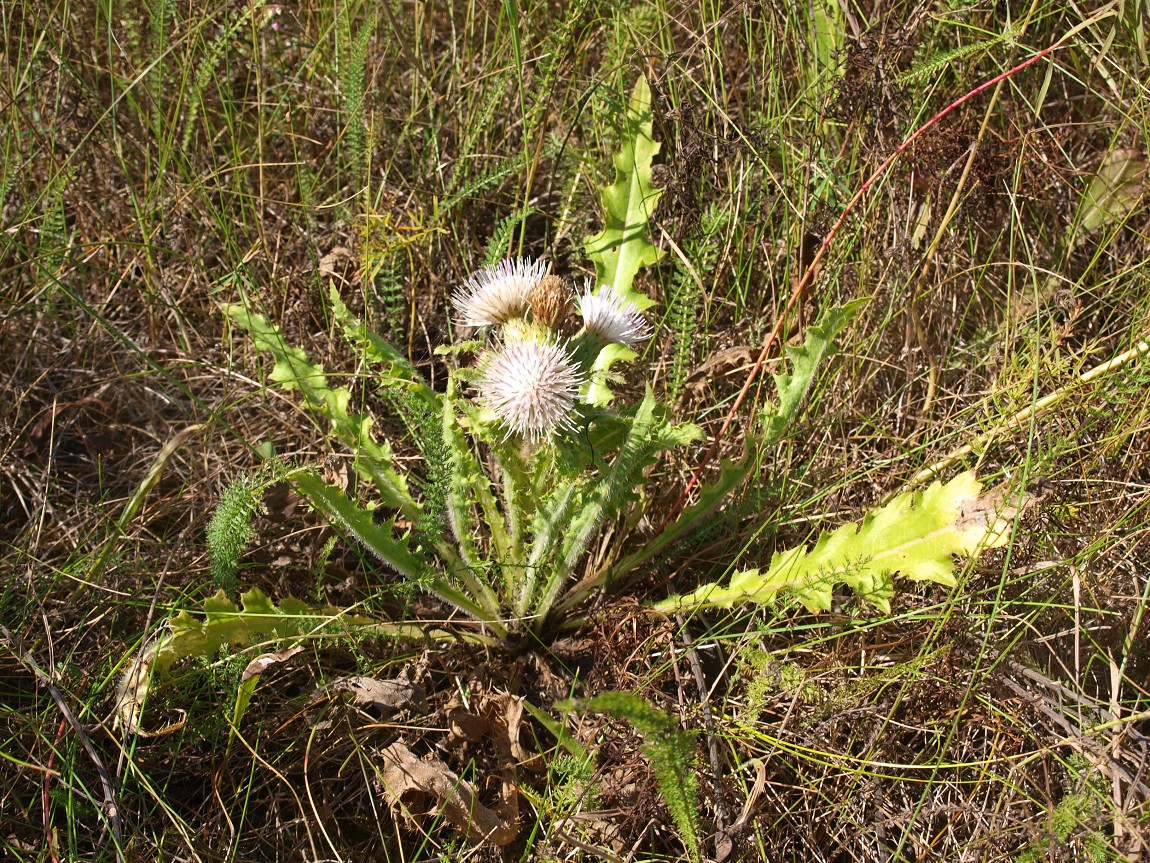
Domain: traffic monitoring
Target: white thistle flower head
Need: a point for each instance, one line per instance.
(498, 293)
(531, 385)
(612, 318)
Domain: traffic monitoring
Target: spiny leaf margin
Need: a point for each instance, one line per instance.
(294, 370)
(255, 620)
(223, 624)
(916, 535)
(622, 247)
(794, 386)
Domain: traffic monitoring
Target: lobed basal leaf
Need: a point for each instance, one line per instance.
(916, 535)
(224, 624)
(293, 370)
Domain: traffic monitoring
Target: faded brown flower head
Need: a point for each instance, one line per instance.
(550, 302)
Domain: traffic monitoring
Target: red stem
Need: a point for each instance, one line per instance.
(807, 275)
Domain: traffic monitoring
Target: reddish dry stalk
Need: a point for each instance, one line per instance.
(829, 238)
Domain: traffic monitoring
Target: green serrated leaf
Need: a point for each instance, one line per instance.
(396, 552)
(465, 346)
(670, 435)
(804, 361)
(360, 523)
(293, 370)
(469, 484)
(916, 535)
(551, 518)
(225, 624)
(603, 501)
(596, 391)
(378, 352)
(622, 247)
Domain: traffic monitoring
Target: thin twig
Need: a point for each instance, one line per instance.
(111, 810)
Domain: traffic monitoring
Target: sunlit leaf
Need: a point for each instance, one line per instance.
(916, 535)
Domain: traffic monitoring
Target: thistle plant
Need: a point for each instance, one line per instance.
(560, 465)
(529, 455)
(538, 456)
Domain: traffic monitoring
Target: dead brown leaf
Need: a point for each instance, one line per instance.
(996, 510)
(407, 782)
(265, 660)
(722, 363)
(336, 263)
(466, 725)
(387, 695)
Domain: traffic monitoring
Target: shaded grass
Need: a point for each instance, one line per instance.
(161, 157)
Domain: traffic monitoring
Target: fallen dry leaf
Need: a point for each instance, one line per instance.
(388, 695)
(466, 725)
(721, 363)
(265, 660)
(336, 262)
(997, 510)
(407, 781)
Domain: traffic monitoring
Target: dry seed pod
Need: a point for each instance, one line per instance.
(550, 301)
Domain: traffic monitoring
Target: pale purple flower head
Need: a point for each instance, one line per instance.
(498, 293)
(612, 318)
(531, 385)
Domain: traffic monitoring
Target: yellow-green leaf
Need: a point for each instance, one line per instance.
(916, 535)
(622, 247)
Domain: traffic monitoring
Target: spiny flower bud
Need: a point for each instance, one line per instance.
(550, 302)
